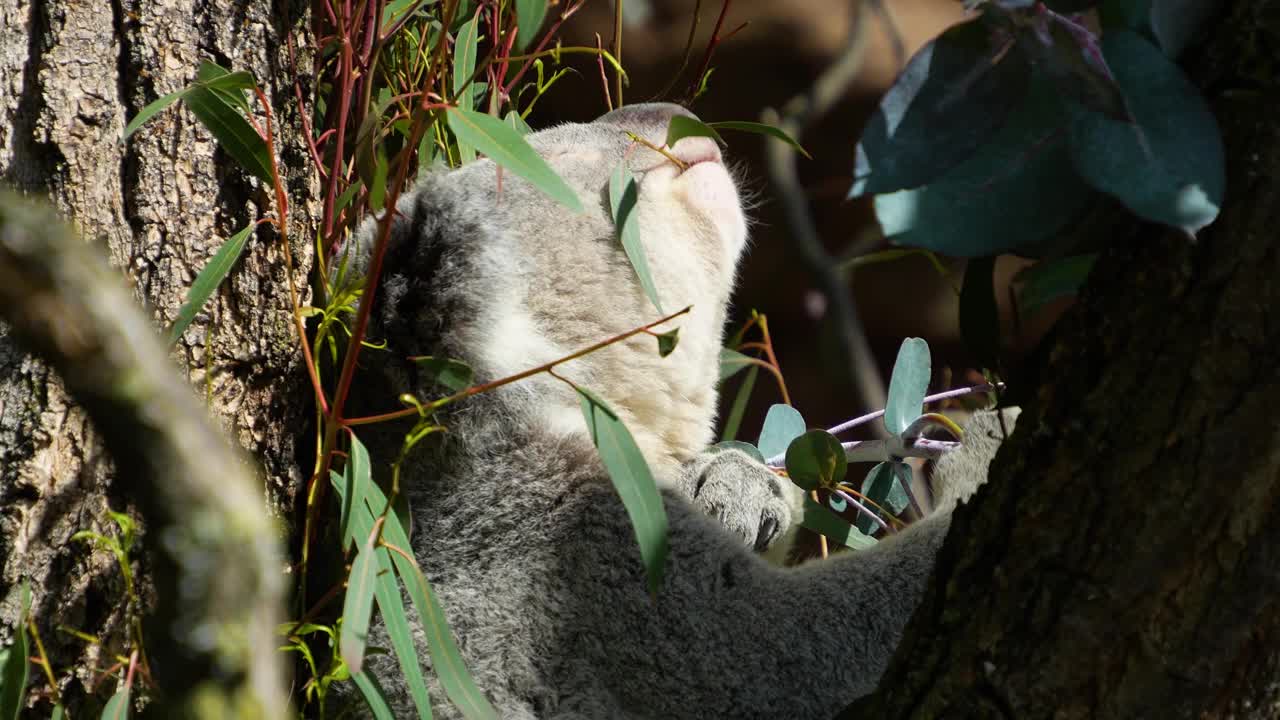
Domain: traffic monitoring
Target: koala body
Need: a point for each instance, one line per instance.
(515, 521)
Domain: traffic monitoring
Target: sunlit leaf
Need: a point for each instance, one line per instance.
(760, 129)
(529, 17)
(357, 605)
(453, 374)
(816, 459)
(907, 385)
(517, 123)
(149, 111)
(356, 478)
(506, 147)
(373, 696)
(117, 708)
(731, 362)
(824, 522)
(633, 481)
(623, 194)
(683, 126)
(228, 126)
(464, 66)
(210, 277)
(782, 424)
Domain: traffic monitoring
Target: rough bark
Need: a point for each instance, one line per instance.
(1124, 559)
(73, 73)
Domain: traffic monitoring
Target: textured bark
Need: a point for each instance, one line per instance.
(72, 73)
(1124, 560)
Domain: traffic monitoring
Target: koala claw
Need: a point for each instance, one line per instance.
(745, 496)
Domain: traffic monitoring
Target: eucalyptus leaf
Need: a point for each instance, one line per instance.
(464, 66)
(623, 195)
(1018, 191)
(14, 667)
(373, 695)
(117, 708)
(357, 605)
(882, 488)
(1168, 166)
(210, 277)
(826, 523)
(739, 407)
(1049, 280)
(509, 149)
(907, 385)
(759, 129)
(667, 342)
(452, 374)
(529, 17)
(149, 111)
(517, 122)
(782, 424)
(952, 97)
(747, 448)
(633, 480)
(732, 362)
(683, 126)
(233, 132)
(816, 459)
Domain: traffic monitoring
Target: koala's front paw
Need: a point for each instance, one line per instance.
(744, 495)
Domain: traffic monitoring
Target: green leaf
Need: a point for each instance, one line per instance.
(227, 85)
(453, 374)
(759, 129)
(529, 17)
(683, 126)
(950, 99)
(464, 66)
(667, 342)
(731, 362)
(881, 487)
(373, 695)
(356, 478)
(506, 147)
(149, 111)
(816, 459)
(378, 187)
(1168, 166)
(208, 280)
(623, 194)
(59, 712)
(782, 424)
(517, 122)
(14, 668)
(747, 448)
(824, 522)
(1049, 280)
(907, 385)
(1017, 191)
(445, 658)
(979, 314)
(229, 127)
(1071, 57)
(117, 708)
(633, 481)
(357, 605)
(739, 408)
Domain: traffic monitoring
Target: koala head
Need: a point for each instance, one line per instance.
(485, 268)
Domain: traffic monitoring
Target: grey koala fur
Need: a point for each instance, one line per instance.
(515, 521)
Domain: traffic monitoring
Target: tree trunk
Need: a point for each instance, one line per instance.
(73, 73)
(1124, 559)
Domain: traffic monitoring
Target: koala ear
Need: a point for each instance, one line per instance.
(958, 474)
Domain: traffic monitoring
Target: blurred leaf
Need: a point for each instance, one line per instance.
(117, 708)
(907, 385)
(1049, 280)
(14, 668)
(816, 459)
(529, 17)
(952, 97)
(633, 481)
(683, 126)
(149, 111)
(233, 133)
(210, 277)
(1168, 166)
(453, 374)
(1176, 22)
(782, 424)
(824, 522)
(623, 194)
(464, 66)
(882, 488)
(1069, 54)
(739, 408)
(667, 342)
(506, 147)
(357, 605)
(758, 129)
(1017, 191)
(979, 314)
(747, 448)
(517, 123)
(731, 362)
(373, 696)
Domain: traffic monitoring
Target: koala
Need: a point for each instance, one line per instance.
(514, 519)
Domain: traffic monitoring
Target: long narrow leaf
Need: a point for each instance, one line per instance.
(633, 480)
(824, 522)
(464, 66)
(445, 658)
(208, 280)
(356, 478)
(373, 696)
(357, 606)
(231, 130)
(529, 17)
(734, 421)
(14, 668)
(117, 708)
(506, 147)
(623, 195)
(760, 129)
(150, 110)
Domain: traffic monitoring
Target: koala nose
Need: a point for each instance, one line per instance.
(648, 120)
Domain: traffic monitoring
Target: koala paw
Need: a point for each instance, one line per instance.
(744, 495)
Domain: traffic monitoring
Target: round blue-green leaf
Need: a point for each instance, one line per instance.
(954, 94)
(782, 424)
(908, 385)
(747, 448)
(1016, 191)
(816, 459)
(1166, 167)
(883, 488)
